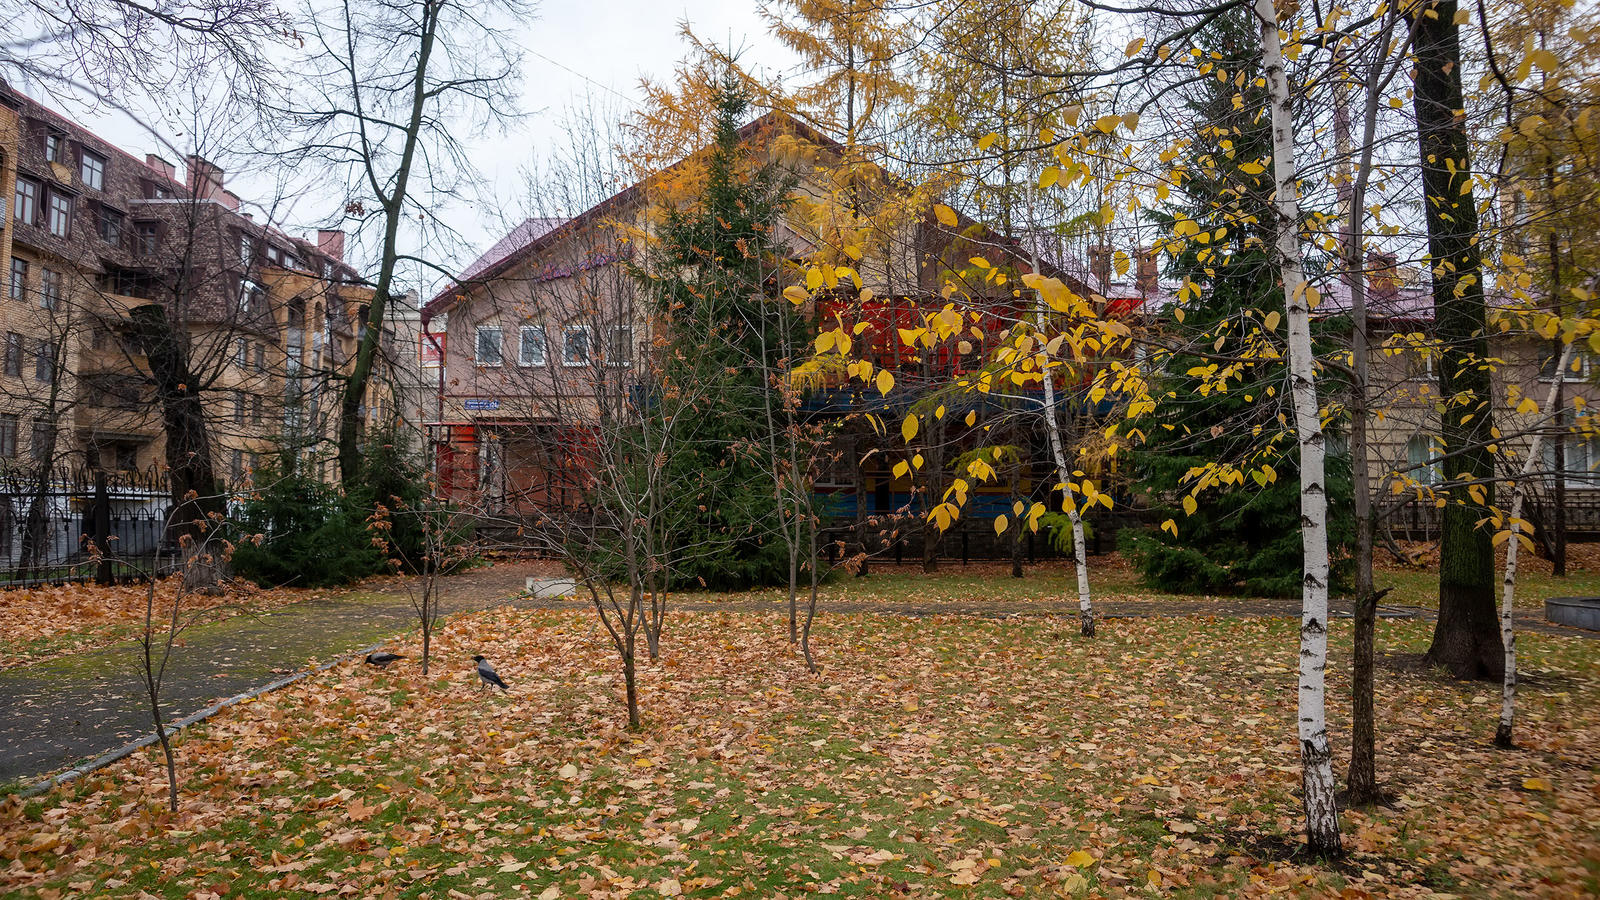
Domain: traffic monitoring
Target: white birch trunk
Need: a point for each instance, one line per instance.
(1508, 634)
(1080, 552)
(1316, 760)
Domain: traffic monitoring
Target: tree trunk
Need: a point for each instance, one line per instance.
(1508, 634)
(197, 501)
(1466, 639)
(1316, 760)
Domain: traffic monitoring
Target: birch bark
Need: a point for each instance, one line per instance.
(1316, 760)
(1508, 634)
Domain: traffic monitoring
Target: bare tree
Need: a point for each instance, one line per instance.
(388, 87)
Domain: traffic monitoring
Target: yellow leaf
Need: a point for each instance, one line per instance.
(1252, 168)
(1133, 47)
(1049, 176)
(644, 762)
(1189, 505)
(1537, 784)
(945, 215)
(901, 469)
(1271, 321)
(796, 294)
(987, 141)
(1107, 124)
(1527, 407)
(972, 417)
(885, 382)
(908, 428)
(1171, 526)
(1000, 524)
(1080, 859)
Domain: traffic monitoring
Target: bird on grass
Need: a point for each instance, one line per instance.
(488, 675)
(383, 659)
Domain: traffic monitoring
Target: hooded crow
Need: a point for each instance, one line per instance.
(382, 659)
(487, 673)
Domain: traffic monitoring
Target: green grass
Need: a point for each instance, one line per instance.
(1163, 748)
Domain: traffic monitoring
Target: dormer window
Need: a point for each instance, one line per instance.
(93, 170)
(55, 147)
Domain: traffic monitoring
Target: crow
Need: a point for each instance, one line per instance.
(487, 673)
(382, 659)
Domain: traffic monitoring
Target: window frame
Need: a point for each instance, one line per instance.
(1425, 471)
(44, 361)
(17, 287)
(625, 360)
(15, 347)
(59, 201)
(523, 333)
(567, 332)
(478, 334)
(10, 427)
(55, 146)
(27, 203)
(51, 287)
(110, 215)
(98, 182)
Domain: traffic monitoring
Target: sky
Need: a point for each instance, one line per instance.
(570, 51)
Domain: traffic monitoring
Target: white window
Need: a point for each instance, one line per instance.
(1419, 364)
(488, 344)
(93, 170)
(575, 346)
(531, 351)
(1580, 451)
(55, 147)
(1420, 459)
(1578, 369)
(619, 346)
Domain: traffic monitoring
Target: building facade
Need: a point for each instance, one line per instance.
(93, 235)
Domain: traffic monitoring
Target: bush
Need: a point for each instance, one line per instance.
(311, 536)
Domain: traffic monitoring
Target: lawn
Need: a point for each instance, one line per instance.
(932, 756)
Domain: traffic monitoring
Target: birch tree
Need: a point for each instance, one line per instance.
(1316, 759)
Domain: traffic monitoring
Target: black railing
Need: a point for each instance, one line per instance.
(80, 525)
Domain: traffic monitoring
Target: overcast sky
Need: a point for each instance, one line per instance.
(571, 50)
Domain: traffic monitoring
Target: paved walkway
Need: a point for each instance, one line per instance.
(58, 712)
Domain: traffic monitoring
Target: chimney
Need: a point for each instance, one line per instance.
(1149, 277)
(1383, 273)
(205, 179)
(1100, 265)
(160, 166)
(229, 199)
(331, 243)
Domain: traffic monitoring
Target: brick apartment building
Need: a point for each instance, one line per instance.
(90, 234)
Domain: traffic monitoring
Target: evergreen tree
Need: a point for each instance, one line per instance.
(1242, 538)
(713, 279)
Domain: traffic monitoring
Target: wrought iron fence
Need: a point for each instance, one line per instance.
(76, 525)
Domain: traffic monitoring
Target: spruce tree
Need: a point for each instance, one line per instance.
(713, 279)
(1242, 538)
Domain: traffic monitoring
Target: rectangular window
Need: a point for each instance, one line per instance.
(575, 346)
(44, 361)
(110, 225)
(1420, 460)
(532, 346)
(247, 250)
(251, 295)
(42, 440)
(1419, 364)
(8, 435)
(19, 278)
(99, 337)
(239, 407)
(488, 345)
(274, 257)
(1580, 452)
(619, 346)
(60, 218)
(241, 353)
(27, 211)
(1578, 369)
(255, 409)
(14, 355)
(147, 237)
(55, 147)
(93, 170)
(49, 288)
(261, 357)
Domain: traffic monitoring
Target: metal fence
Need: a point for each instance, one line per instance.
(77, 525)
